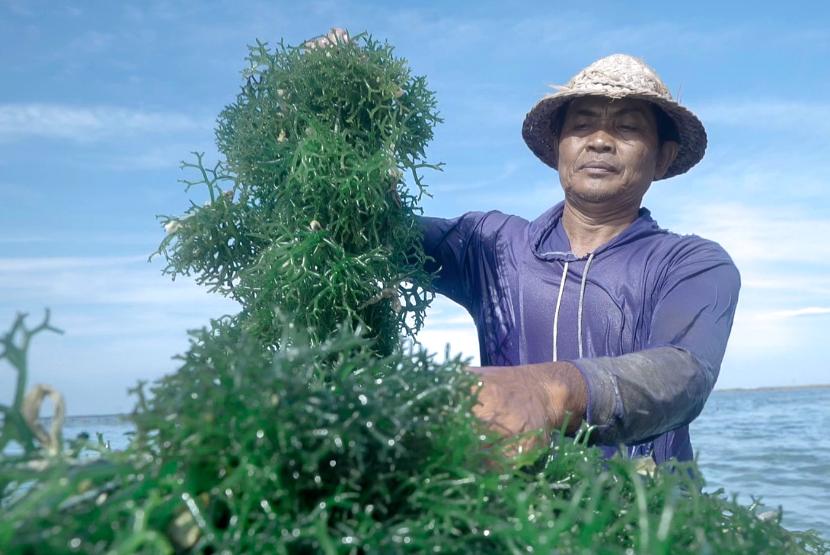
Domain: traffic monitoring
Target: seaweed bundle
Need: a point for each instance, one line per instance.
(302, 424)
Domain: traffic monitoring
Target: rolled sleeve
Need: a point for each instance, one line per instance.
(638, 396)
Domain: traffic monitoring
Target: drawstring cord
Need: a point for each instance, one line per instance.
(581, 302)
(556, 312)
(579, 309)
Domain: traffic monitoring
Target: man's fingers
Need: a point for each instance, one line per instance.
(335, 36)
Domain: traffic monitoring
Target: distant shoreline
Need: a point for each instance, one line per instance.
(772, 388)
(125, 416)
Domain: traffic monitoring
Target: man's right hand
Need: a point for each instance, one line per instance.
(513, 400)
(335, 36)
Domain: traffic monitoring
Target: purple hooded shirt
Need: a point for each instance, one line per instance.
(644, 317)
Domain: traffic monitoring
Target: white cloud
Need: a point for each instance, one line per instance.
(455, 342)
(504, 175)
(762, 333)
(84, 123)
(784, 259)
(816, 285)
(449, 326)
(155, 157)
(754, 234)
(55, 263)
(89, 281)
(119, 239)
(122, 319)
(796, 313)
(768, 114)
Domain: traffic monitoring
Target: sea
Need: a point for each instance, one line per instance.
(768, 446)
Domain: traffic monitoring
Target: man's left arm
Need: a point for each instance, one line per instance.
(637, 396)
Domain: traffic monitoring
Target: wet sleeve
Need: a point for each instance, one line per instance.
(455, 247)
(635, 397)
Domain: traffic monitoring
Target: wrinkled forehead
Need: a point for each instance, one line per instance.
(601, 106)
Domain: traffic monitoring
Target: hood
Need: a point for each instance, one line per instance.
(550, 222)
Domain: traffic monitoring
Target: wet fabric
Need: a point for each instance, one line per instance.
(646, 322)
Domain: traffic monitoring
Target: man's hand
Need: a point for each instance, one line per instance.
(513, 400)
(335, 36)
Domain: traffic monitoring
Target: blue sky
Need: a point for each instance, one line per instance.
(99, 101)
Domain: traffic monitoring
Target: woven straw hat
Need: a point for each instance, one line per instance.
(616, 76)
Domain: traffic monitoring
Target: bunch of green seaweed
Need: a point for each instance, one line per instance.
(304, 423)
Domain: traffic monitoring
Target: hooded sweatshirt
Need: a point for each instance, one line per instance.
(645, 318)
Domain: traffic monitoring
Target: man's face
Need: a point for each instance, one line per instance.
(609, 150)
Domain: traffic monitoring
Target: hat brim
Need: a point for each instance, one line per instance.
(537, 129)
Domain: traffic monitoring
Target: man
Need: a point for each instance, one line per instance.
(592, 312)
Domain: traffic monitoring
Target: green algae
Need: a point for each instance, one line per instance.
(302, 424)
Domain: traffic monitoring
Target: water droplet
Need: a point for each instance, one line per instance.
(317, 479)
(194, 395)
(332, 463)
(348, 540)
(390, 442)
(338, 442)
(260, 434)
(363, 399)
(378, 381)
(486, 533)
(75, 543)
(295, 475)
(322, 505)
(295, 532)
(369, 424)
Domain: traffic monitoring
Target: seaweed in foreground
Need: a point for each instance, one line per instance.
(302, 425)
(246, 451)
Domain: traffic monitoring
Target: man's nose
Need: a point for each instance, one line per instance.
(601, 141)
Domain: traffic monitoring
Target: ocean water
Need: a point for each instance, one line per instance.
(767, 444)
(772, 444)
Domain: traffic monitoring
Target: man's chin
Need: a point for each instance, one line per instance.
(596, 194)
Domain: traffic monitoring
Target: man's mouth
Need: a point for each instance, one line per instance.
(598, 167)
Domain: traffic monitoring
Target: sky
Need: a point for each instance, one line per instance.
(100, 101)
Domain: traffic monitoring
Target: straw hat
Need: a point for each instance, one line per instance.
(616, 76)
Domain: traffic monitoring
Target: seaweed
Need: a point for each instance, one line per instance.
(305, 423)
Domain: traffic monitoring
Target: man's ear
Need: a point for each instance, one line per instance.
(667, 154)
